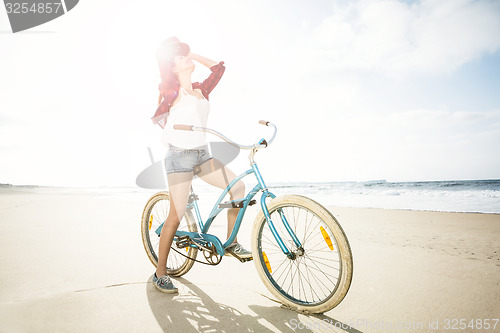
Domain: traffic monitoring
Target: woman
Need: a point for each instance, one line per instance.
(184, 102)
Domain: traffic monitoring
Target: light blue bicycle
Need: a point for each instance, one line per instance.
(300, 250)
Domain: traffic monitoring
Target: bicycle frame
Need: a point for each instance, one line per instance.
(203, 236)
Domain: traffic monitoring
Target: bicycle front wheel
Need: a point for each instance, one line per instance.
(154, 214)
(318, 276)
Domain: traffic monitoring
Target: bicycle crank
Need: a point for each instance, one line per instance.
(211, 255)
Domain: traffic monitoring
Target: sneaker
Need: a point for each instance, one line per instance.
(238, 250)
(164, 284)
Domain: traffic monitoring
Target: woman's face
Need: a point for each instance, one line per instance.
(183, 63)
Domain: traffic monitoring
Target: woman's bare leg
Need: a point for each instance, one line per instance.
(215, 173)
(179, 186)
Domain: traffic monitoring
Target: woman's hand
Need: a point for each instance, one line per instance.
(202, 60)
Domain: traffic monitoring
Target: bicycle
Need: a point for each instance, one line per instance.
(301, 252)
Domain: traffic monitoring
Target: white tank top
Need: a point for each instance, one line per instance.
(190, 110)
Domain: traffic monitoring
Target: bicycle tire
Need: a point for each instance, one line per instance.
(319, 279)
(156, 211)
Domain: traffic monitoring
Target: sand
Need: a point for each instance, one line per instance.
(74, 262)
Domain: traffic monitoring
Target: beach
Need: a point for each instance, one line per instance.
(73, 261)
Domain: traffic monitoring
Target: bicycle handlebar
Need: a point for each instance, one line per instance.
(184, 127)
(261, 144)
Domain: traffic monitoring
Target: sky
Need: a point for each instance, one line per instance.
(359, 90)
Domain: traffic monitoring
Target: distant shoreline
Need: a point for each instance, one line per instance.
(480, 197)
(280, 183)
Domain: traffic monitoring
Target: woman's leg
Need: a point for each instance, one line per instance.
(179, 185)
(215, 173)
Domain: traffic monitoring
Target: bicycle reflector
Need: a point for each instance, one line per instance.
(326, 237)
(150, 221)
(268, 265)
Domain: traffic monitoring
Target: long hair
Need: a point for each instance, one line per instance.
(165, 55)
(169, 82)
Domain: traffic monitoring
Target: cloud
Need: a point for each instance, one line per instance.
(415, 144)
(396, 38)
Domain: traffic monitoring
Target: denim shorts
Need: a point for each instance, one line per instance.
(185, 160)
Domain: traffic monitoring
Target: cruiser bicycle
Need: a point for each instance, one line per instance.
(300, 251)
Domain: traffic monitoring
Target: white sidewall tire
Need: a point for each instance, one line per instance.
(342, 242)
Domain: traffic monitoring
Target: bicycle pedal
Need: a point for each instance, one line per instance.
(244, 259)
(232, 254)
(236, 203)
(183, 241)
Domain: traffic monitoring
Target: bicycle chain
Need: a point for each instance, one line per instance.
(201, 262)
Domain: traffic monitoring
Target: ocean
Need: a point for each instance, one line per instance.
(467, 196)
(478, 196)
(471, 196)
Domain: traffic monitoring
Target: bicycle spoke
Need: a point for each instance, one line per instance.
(312, 229)
(309, 279)
(321, 271)
(322, 258)
(311, 291)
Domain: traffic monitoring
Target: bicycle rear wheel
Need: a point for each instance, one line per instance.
(154, 214)
(318, 278)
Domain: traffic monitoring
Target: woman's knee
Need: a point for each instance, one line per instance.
(173, 220)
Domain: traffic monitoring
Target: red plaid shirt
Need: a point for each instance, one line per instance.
(169, 95)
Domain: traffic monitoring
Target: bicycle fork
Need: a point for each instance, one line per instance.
(266, 194)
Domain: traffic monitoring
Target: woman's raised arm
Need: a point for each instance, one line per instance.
(202, 60)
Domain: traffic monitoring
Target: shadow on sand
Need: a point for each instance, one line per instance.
(192, 310)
